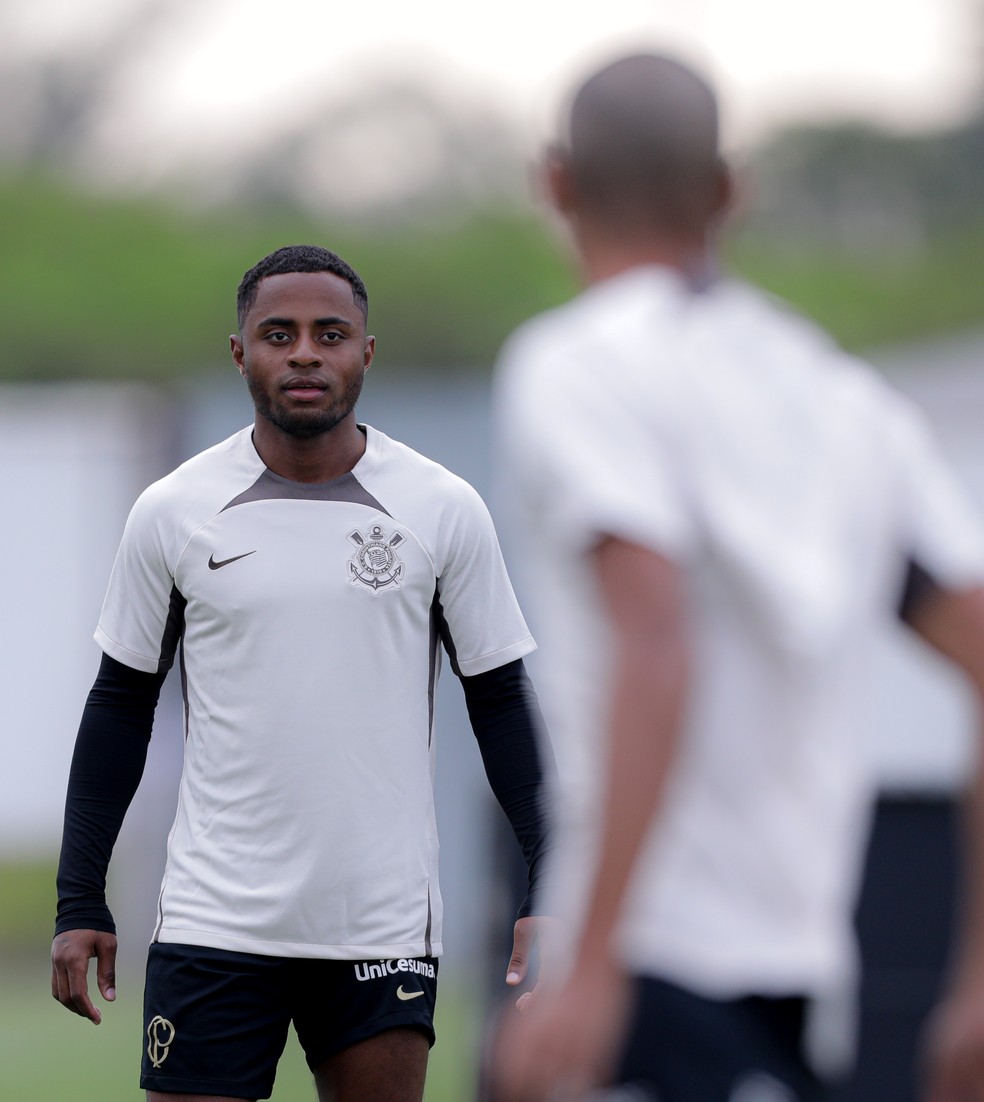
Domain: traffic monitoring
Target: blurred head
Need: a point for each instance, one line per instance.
(641, 151)
(299, 258)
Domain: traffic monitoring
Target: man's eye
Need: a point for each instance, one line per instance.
(278, 337)
(331, 337)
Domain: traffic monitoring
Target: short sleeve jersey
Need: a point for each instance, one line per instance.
(308, 620)
(791, 486)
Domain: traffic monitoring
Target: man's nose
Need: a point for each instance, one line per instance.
(306, 350)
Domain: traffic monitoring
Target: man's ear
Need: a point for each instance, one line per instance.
(236, 347)
(726, 192)
(556, 181)
(369, 353)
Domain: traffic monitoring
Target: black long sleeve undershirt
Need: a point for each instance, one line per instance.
(109, 758)
(505, 715)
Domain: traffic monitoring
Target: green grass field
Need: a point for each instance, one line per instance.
(46, 1053)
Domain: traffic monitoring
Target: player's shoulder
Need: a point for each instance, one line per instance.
(422, 493)
(636, 325)
(392, 462)
(783, 330)
(205, 482)
(600, 312)
(735, 305)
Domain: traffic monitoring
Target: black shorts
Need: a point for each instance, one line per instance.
(215, 1022)
(685, 1048)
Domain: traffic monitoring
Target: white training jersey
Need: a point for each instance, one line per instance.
(308, 619)
(792, 485)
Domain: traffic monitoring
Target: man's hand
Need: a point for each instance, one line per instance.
(952, 622)
(527, 933)
(563, 1044)
(524, 939)
(70, 955)
(955, 1050)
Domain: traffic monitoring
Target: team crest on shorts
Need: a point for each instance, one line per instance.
(160, 1035)
(375, 563)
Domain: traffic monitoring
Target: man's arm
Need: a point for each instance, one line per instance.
(569, 1038)
(110, 752)
(505, 717)
(952, 623)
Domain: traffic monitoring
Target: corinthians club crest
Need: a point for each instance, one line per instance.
(375, 562)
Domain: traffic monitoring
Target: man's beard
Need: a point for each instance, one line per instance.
(305, 423)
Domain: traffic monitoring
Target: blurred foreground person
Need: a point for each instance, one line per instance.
(306, 570)
(719, 511)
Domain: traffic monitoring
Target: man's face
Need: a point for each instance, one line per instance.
(304, 352)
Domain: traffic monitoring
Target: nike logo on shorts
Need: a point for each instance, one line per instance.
(217, 565)
(405, 995)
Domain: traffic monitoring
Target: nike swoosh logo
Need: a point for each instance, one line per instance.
(405, 995)
(213, 565)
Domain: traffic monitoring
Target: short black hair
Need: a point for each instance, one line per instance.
(299, 258)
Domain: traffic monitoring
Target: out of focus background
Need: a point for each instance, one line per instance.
(152, 150)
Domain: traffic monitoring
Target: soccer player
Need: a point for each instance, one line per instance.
(305, 573)
(720, 512)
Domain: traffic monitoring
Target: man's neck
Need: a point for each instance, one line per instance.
(604, 255)
(310, 459)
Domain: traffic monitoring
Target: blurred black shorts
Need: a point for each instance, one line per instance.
(684, 1048)
(216, 1022)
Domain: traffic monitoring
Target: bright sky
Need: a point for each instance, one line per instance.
(229, 69)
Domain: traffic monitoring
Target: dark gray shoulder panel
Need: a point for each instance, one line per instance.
(271, 487)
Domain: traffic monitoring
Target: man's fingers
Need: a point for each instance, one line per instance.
(78, 991)
(524, 937)
(68, 977)
(78, 995)
(85, 1008)
(536, 1061)
(954, 1056)
(516, 972)
(106, 971)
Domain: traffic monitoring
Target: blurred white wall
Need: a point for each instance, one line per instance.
(923, 725)
(72, 459)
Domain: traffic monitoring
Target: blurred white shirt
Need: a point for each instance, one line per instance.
(792, 486)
